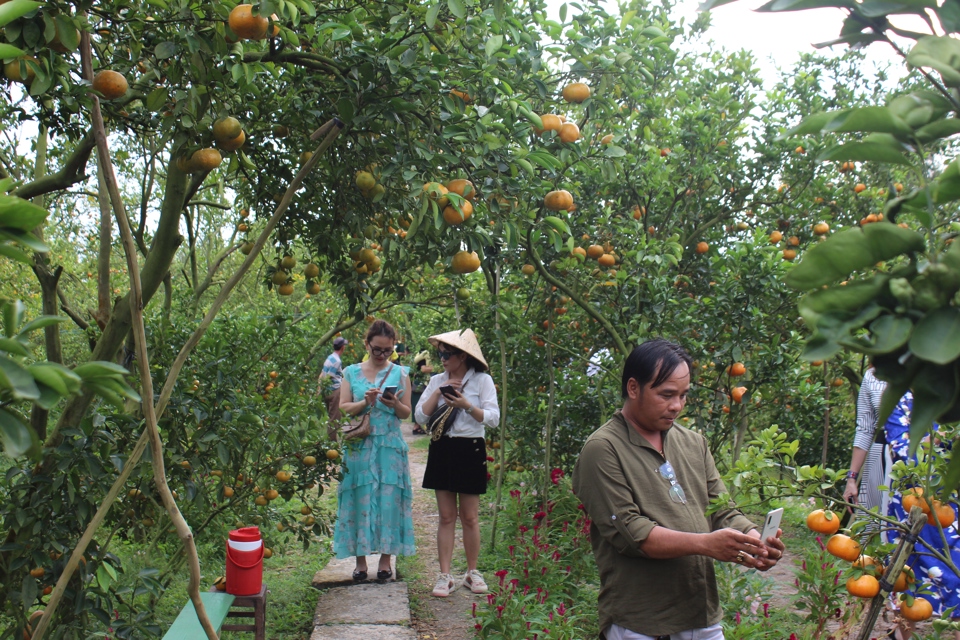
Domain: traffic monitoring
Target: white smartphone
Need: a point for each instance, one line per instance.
(771, 525)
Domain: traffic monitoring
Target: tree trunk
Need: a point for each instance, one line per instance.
(826, 422)
(48, 291)
(165, 244)
(106, 247)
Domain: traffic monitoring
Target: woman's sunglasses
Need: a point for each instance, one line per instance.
(376, 351)
(446, 355)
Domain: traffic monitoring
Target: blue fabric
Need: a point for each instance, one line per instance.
(932, 575)
(375, 498)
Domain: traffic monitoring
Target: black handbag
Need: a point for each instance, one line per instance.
(442, 419)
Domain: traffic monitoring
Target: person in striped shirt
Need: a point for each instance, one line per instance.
(870, 462)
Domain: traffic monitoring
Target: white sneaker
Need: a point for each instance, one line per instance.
(473, 580)
(444, 586)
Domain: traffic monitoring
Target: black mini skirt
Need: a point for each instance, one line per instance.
(458, 465)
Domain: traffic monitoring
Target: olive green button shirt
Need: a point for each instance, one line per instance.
(618, 480)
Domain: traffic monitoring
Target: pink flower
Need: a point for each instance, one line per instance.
(555, 476)
(562, 610)
(474, 610)
(478, 626)
(491, 598)
(489, 458)
(501, 574)
(737, 617)
(539, 515)
(766, 609)
(499, 610)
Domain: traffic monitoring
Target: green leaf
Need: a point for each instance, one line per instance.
(947, 187)
(66, 31)
(17, 438)
(432, 12)
(850, 250)
(40, 323)
(13, 312)
(14, 254)
(849, 297)
(48, 374)
(20, 214)
(949, 15)
(811, 124)
(869, 120)
(156, 99)
(613, 151)
(17, 379)
(165, 50)
(802, 5)
(10, 11)
(10, 51)
(937, 336)
(493, 45)
(888, 333)
(713, 4)
(98, 369)
(557, 224)
(937, 52)
(14, 347)
(854, 39)
(937, 130)
(819, 347)
(865, 152)
(882, 8)
(934, 390)
(25, 238)
(456, 8)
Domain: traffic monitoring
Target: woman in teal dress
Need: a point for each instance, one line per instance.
(375, 497)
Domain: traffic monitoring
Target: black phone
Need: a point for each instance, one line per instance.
(390, 391)
(448, 390)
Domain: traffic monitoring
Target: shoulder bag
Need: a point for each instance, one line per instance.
(442, 419)
(359, 427)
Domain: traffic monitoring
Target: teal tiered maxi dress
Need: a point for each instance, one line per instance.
(375, 498)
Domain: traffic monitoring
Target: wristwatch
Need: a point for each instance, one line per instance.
(852, 475)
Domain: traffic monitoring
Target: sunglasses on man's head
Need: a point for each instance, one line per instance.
(446, 355)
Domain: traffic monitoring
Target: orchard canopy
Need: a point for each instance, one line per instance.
(199, 196)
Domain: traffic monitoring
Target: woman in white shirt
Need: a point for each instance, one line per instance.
(457, 460)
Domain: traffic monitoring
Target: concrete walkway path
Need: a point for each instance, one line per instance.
(371, 610)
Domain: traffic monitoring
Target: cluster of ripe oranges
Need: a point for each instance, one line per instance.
(865, 582)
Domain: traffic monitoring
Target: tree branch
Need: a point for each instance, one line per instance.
(71, 173)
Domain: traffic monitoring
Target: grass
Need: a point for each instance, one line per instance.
(288, 574)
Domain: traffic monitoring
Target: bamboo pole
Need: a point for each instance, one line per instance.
(907, 541)
(503, 408)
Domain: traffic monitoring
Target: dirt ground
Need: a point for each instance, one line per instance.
(434, 618)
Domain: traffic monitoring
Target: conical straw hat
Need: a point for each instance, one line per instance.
(465, 340)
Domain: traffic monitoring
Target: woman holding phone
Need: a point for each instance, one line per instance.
(457, 459)
(375, 497)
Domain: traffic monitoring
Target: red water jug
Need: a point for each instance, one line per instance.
(245, 562)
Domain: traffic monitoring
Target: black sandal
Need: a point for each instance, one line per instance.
(418, 431)
(384, 575)
(359, 576)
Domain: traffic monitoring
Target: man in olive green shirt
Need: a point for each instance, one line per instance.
(646, 484)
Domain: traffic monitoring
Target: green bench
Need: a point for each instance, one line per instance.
(218, 605)
(187, 625)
